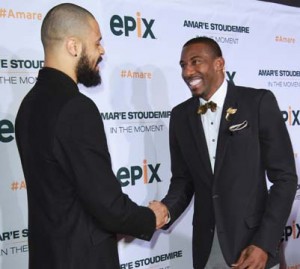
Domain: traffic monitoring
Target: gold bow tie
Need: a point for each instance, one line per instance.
(209, 105)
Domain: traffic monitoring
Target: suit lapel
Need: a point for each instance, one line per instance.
(199, 136)
(224, 133)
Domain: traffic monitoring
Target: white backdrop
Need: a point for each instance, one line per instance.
(141, 84)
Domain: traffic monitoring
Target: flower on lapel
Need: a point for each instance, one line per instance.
(230, 111)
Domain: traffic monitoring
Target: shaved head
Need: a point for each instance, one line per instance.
(62, 21)
(71, 38)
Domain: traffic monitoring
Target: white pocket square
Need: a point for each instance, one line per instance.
(238, 127)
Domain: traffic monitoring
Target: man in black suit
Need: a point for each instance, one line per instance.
(75, 203)
(220, 154)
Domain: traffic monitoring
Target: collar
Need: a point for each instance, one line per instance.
(56, 77)
(219, 95)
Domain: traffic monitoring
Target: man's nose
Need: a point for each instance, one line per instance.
(101, 50)
(188, 70)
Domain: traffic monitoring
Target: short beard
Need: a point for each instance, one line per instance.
(87, 75)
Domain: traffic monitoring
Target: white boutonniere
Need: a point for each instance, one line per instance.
(230, 111)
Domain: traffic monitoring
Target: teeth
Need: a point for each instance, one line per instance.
(195, 82)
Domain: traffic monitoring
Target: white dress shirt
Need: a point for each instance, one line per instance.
(211, 124)
(211, 121)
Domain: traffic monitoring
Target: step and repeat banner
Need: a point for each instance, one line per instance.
(141, 83)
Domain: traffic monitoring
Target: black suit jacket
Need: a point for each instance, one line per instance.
(235, 197)
(76, 205)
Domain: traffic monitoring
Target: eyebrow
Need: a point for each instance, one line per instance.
(98, 39)
(193, 58)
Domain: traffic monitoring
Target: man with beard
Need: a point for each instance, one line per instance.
(75, 203)
(224, 140)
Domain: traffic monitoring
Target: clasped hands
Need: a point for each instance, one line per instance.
(161, 213)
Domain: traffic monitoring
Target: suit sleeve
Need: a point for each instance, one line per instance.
(278, 160)
(81, 149)
(181, 189)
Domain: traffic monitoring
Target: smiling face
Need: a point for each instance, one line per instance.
(202, 70)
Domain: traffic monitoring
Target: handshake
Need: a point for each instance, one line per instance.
(161, 213)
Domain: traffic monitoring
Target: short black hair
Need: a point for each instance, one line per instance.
(211, 43)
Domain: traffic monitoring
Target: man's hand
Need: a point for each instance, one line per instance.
(251, 257)
(161, 213)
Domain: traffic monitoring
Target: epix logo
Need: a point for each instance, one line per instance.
(292, 232)
(127, 25)
(291, 116)
(6, 131)
(147, 172)
(230, 76)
